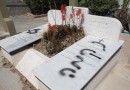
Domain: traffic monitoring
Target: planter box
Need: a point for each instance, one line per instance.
(80, 66)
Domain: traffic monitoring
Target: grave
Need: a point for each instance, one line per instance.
(80, 66)
(75, 67)
(18, 43)
(84, 64)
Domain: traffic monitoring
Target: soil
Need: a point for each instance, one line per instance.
(26, 84)
(56, 42)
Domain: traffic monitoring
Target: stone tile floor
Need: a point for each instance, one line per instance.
(117, 79)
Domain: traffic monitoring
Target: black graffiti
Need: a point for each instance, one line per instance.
(82, 51)
(95, 56)
(80, 59)
(33, 31)
(74, 63)
(63, 72)
(104, 47)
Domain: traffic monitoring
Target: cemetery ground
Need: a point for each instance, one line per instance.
(23, 23)
(117, 79)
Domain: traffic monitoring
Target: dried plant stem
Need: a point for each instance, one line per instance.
(55, 4)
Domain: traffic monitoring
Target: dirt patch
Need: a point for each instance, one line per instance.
(26, 84)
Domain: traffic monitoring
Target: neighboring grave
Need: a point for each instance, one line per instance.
(17, 42)
(12, 47)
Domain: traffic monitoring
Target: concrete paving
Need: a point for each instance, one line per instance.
(119, 77)
(23, 23)
(9, 80)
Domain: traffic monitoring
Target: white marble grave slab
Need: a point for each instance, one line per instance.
(13, 43)
(31, 60)
(74, 67)
(104, 27)
(84, 11)
(55, 16)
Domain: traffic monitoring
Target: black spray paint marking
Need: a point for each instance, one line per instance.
(95, 56)
(83, 50)
(100, 44)
(74, 63)
(63, 72)
(33, 31)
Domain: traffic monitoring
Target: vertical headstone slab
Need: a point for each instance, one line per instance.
(104, 27)
(73, 10)
(54, 17)
(84, 10)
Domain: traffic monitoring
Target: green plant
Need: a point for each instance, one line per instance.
(128, 19)
(37, 6)
(100, 7)
(42, 6)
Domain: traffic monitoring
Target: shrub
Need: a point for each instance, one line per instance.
(100, 7)
(42, 6)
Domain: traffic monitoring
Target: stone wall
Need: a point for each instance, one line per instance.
(17, 7)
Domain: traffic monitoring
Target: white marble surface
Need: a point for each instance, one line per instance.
(84, 11)
(15, 42)
(55, 16)
(31, 60)
(49, 72)
(104, 27)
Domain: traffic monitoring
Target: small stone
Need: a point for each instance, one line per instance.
(13, 70)
(23, 79)
(7, 65)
